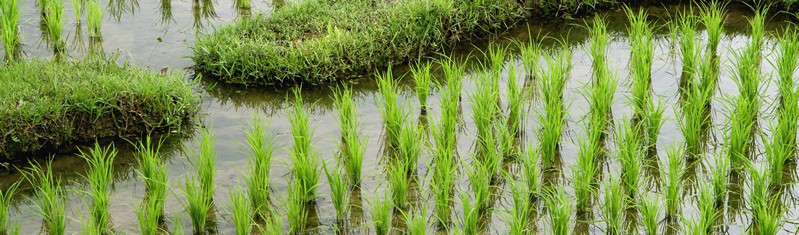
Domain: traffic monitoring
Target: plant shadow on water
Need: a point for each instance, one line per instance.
(231, 107)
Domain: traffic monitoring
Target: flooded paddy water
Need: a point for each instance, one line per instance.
(142, 35)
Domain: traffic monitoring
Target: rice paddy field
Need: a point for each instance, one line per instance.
(678, 119)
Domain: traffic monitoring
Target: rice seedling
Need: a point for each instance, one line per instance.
(271, 225)
(409, 146)
(650, 212)
(54, 19)
(739, 135)
(451, 95)
(757, 34)
(560, 209)
(392, 113)
(353, 148)
(712, 16)
(49, 198)
(584, 173)
(767, 218)
(9, 28)
(604, 85)
(531, 171)
(484, 110)
(613, 207)
(294, 203)
(259, 166)
(381, 215)
(496, 58)
(516, 102)
(77, 9)
(630, 157)
(776, 155)
(416, 221)
(305, 159)
(530, 54)
(719, 178)
(205, 164)
(153, 173)
(443, 180)
(642, 47)
(553, 82)
(686, 27)
(94, 18)
(672, 181)
(764, 200)
(471, 220)
(480, 176)
(149, 215)
(424, 81)
(598, 42)
(100, 175)
(5, 202)
(197, 203)
(707, 207)
(241, 212)
(338, 192)
(785, 64)
(694, 123)
(519, 214)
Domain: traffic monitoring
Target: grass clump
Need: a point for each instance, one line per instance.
(650, 213)
(630, 156)
(613, 207)
(149, 214)
(381, 215)
(295, 205)
(424, 81)
(484, 110)
(49, 198)
(338, 192)
(671, 179)
(642, 47)
(553, 83)
(442, 182)
(560, 209)
(603, 87)
(685, 26)
(49, 105)
(205, 164)
(100, 176)
(5, 203)
(241, 212)
(9, 28)
(353, 148)
(197, 203)
(153, 173)
(584, 173)
(520, 210)
(305, 159)
(712, 16)
(259, 166)
(392, 113)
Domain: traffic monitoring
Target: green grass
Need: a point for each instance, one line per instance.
(777, 154)
(630, 156)
(295, 205)
(381, 215)
(9, 28)
(204, 163)
(393, 114)
(517, 105)
(706, 205)
(416, 221)
(560, 208)
(520, 212)
(5, 203)
(305, 159)
(480, 175)
(584, 173)
(197, 204)
(259, 166)
(604, 83)
(353, 148)
(739, 134)
(49, 198)
(686, 24)
(149, 214)
(485, 109)
(470, 223)
(712, 16)
(532, 171)
(94, 18)
(241, 212)
(49, 105)
(553, 83)
(410, 145)
(650, 213)
(671, 179)
(786, 64)
(719, 173)
(642, 48)
(444, 166)
(422, 78)
(153, 173)
(530, 55)
(54, 20)
(338, 191)
(399, 182)
(613, 206)
(100, 176)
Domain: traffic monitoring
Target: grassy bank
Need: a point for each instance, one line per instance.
(321, 41)
(47, 105)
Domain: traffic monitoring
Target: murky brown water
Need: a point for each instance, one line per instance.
(135, 32)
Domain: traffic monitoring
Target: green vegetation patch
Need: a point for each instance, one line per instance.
(320, 41)
(49, 104)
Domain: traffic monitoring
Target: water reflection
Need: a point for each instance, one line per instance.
(118, 8)
(166, 12)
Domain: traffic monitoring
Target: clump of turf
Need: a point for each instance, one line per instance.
(50, 104)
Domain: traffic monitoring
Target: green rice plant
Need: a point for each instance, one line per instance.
(338, 192)
(686, 27)
(471, 215)
(694, 123)
(712, 16)
(496, 56)
(153, 174)
(598, 40)
(400, 182)
(560, 209)
(707, 207)
(739, 135)
(271, 225)
(719, 178)
(424, 81)
(149, 215)
(9, 28)
(100, 176)
(295, 204)
(54, 20)
(5, 204)
(77, 9)
(761, 181)
(381, 215)
(642, 47)
(305, 159)
(205, 164)
(451, 94)
(671, 179)
(707, 82)
(584, 172)
(654, 121)
(241, 212)
(259, 165)
(94, 18)
(49, 198)
(520, 212)
(553, 82)
(747, 75)
(409, 146)
(480, 175)
(484, 110)
(630, 156)
(516, 98)
(443, 180)
(392, 113)
(766, 209)
(767, 218)
(613, 207)
(353, 148)
(604, 84)
(531, 171)
(757, 34)
(197, 203)
(785, 64)
(650, 212)
(417, 221)
(776, 155)
(530, 54)
(507, 143)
